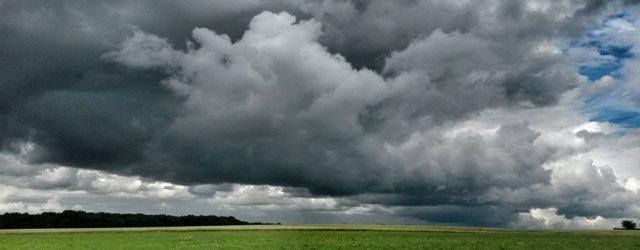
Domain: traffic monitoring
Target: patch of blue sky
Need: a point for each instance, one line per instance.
(609, 106)
(597, 72)
(624, 118)
(616, 51)
(621, 15)
(608, 64)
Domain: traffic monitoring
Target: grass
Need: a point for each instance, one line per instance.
(316, 237)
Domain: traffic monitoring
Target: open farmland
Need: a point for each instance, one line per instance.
(316, 237)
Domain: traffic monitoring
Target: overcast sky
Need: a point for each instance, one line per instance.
(490, 113)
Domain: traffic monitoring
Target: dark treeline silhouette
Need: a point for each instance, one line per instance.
(628, 225)
(80, 219)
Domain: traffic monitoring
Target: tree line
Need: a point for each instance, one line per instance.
(628, 225)
(81, 219)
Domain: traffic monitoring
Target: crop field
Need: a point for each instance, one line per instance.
(316, 237)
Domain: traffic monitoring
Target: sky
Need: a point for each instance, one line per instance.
(484, 113)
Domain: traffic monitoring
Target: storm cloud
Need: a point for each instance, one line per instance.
(463, 112)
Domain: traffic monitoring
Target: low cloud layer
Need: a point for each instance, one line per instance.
(463, 112)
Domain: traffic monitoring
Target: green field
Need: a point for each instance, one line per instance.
(316, 237)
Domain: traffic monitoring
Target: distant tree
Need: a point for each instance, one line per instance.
(81, 219)
(628, 224)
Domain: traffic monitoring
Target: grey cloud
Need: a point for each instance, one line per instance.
(249, 131)
(207, 190)
(136, 88)
(367, 31)
(143, 51)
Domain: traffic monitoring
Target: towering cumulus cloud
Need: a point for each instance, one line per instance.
(470, 112)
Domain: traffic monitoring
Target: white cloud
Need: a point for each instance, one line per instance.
(145, 51)
(548, 218)
(632, 184)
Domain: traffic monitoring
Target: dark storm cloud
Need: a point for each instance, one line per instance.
(367, 31)
(58, 91)
(266, 99)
